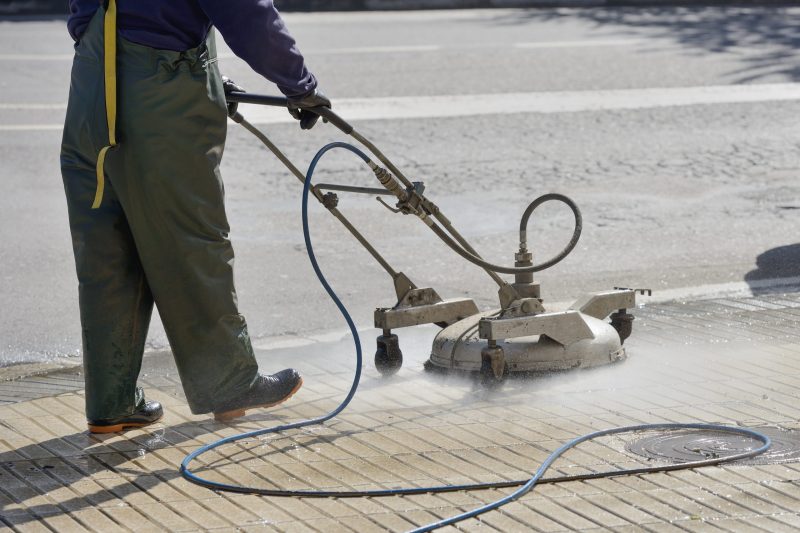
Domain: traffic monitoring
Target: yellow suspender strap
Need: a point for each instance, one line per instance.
(110, 71)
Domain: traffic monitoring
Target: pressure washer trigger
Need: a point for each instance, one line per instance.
(387, 206)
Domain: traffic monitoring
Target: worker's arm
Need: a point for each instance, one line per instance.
(255, 32)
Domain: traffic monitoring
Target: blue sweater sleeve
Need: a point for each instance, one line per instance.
(255, 32)
(80, 13)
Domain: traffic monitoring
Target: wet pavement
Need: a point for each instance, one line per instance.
(733, 361)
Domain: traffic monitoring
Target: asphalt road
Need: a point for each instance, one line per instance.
(687, 184)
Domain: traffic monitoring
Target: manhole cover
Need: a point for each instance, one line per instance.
(686, 446)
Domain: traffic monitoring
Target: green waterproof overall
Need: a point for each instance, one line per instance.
(143, 140)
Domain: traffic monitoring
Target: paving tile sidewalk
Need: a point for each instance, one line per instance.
(733, 361)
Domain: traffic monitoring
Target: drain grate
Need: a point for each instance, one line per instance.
(686, 446)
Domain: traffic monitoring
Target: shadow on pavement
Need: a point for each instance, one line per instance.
(707, 29)
(780, 262)
(91, 465)
(69, 460)
(80, 457)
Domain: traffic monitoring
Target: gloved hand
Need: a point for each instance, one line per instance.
(229, 86)
(298, 108)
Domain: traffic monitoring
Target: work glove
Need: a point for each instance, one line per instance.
(298, 108)
(229, 86)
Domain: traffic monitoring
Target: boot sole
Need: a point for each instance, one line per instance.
(116, 428)
(227, 416)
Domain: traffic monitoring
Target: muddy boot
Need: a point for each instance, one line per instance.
(147, 413)
(265, 391)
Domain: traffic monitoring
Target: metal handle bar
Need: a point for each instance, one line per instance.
(457, 242)
(281, 101)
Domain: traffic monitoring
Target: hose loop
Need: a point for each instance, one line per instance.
(576, 233)
(474, 259)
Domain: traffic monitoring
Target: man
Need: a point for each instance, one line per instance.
(143, 140)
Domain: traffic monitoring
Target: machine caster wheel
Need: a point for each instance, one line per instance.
(494, 369)
(623, 323)
(388, 357)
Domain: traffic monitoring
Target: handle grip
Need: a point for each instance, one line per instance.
(282, 101)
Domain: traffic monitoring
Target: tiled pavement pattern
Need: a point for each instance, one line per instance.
(731, 361)
(40, 385)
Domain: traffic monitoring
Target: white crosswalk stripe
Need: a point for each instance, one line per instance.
(441, 106)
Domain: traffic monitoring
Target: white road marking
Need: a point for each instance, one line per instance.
(356, 50)
(36, 57)
(394, 17)
(375, 50)
(31, 107)
(581, 44)
(31, 127)
(441, 106)
(381, 49)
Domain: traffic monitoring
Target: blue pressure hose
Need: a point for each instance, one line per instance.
(185, 471)
(524, 485)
